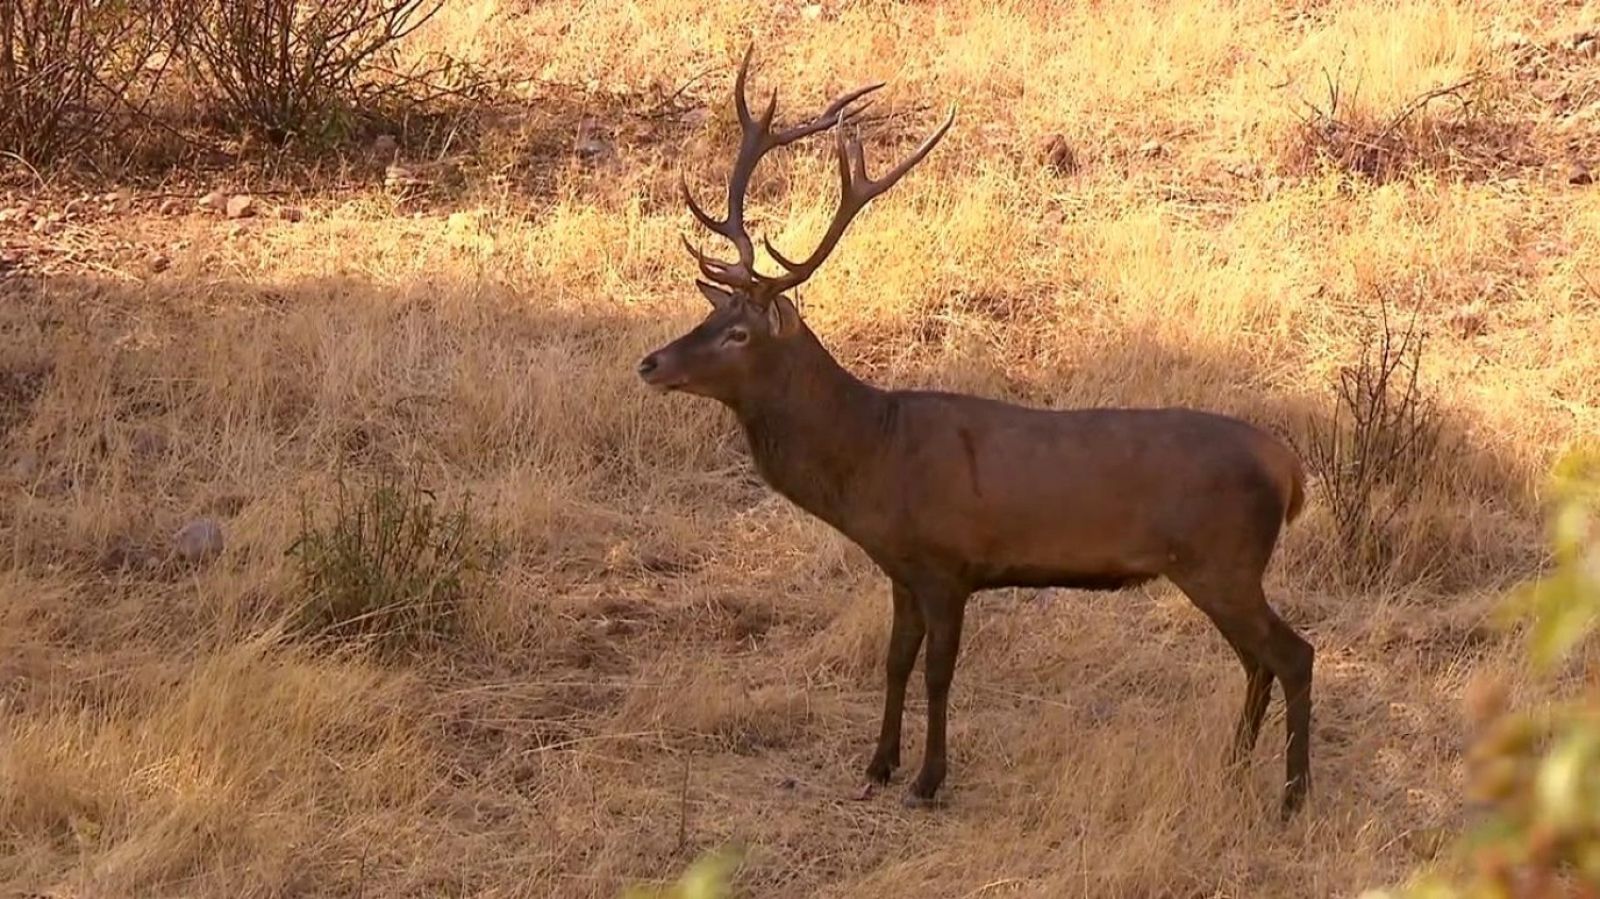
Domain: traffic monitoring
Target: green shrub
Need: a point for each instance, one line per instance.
(1537, 770)
(389, 566)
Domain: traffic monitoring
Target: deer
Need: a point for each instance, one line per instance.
(950, 494)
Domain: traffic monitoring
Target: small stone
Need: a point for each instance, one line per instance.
(593, 148)
(26, 467)
(148, 443)
(1058, 156)
(215, 201)
(291, 213)
(171, 206)
(199, 540)
(241, 206)
(1152, 148)
(1579, 174)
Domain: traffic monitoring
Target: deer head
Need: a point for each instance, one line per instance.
(752, 323)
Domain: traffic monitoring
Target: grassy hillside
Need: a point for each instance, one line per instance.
(663, 656)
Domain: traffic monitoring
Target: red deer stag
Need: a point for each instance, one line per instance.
(950, 494)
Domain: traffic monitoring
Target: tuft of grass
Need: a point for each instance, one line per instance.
(390, 566)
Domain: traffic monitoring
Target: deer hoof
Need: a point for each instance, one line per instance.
(912, 800)
(878, 772)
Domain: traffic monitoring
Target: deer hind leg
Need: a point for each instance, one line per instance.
(1257, 693)
(905, 641)
(1239, 608)
(943, 611)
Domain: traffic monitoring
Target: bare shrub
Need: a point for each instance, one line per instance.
(292, 68)
(68, 67)
(1357, 140)
(1376, 450)
(390, 567)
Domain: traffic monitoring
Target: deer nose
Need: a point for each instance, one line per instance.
(648, 364)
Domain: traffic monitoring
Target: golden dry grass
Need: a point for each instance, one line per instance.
(671, 657)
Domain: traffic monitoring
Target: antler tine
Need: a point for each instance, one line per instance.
(757, 140)
(856, 189)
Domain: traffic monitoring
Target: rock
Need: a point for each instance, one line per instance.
(385, 146)
(215, 201)
(1057, 155)
(291, 213)
(26, 467)
(148, 443)
(403, 177)
(199, 540)
(123, 553)
(171, 206)
(241, 206)
(593, 149)
(1579, 174)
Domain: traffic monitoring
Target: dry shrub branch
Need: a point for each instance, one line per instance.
(68, 67)
(290, 68)
(1356, 140)
(1375, 451)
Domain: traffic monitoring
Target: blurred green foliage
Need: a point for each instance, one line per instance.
(711, 877)
(1536, 771)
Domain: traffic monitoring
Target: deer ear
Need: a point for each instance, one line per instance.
(782, 317)
(716, 295)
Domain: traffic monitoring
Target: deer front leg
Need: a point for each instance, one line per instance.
(943, 613)
(905, 641)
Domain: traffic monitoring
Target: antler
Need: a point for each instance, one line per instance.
(855, 190)
(758, 140)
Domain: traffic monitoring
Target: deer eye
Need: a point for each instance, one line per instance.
(736, 335)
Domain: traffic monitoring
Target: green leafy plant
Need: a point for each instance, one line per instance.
(1538, 770)
(389, 566)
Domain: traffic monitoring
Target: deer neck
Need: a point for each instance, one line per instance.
(813, 428)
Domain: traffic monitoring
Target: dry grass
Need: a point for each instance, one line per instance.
(668, 656)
